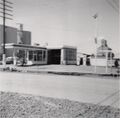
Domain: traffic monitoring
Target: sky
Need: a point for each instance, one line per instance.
(69, 22)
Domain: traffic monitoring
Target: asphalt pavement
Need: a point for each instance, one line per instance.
(96, 90)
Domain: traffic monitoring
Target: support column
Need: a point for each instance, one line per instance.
(46, 56)
(95, 58)
(27, 55)
(4, 60)
(62, 56)
(14, 57)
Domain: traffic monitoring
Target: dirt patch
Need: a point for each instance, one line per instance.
(14, 105)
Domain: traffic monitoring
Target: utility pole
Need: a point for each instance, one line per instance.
(5, 14)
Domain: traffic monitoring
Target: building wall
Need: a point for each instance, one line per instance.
(12, 37)
(101, 62)
(68, 56)
(27, 37)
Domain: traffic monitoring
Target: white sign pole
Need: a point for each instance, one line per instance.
(96, 35)
(106, 61)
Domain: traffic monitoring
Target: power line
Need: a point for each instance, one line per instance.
(116, 2)
(6, 9)
(6, 13)
(7, 2)
(7, 5)
(112, 5)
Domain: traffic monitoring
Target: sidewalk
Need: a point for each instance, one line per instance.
(66, 69)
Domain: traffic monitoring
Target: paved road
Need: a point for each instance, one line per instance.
(80, 88)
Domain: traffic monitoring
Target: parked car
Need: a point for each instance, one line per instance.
(9, 60)
(0, 62)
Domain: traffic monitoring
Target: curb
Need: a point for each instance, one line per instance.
(80, 74)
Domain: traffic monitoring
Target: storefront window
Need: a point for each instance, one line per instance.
(35, 57)
(39, 55)
(70, 54)
(30, 55)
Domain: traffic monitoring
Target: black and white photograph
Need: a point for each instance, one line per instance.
(59, 59)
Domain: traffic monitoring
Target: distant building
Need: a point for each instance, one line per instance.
(83, 59)
(104, 55)
(103, 49)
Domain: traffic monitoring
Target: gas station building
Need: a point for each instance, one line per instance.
(18, 45)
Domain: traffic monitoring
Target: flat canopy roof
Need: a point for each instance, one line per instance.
(23, 46)
(62, 47)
